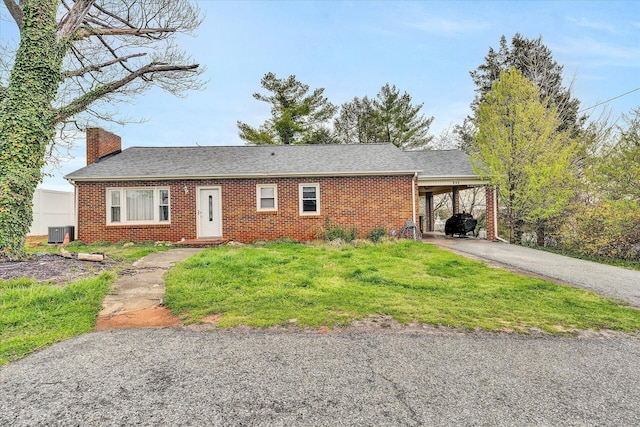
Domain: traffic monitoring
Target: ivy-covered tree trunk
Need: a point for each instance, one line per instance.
(26, 122)
(115, 43)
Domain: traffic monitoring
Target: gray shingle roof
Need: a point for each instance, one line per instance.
(248, 161)
(442, 163)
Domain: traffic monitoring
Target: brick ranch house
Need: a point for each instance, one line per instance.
(247, 193)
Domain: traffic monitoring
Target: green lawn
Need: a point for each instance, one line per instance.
(313, 285)
(317, 285)
(35, 315)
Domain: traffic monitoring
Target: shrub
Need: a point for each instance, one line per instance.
(353, 234)
(606, 229)
(336, 232)
(377, 233)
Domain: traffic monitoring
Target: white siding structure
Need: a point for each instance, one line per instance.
(51, 209)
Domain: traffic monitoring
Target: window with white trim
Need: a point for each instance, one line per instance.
(163, 196)
(115, 206)
(309, 199)
(267, 197)
(138, 205)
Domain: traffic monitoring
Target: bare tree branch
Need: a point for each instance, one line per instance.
(73, 19)
(15, 10)
(114, 16)
(105, 44)
(87, 32)
(97, 67)
(81, 103)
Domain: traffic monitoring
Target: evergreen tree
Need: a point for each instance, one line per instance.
(535, 62)
(357, 122)
(390, 117)
(296, 116)
(399, 121)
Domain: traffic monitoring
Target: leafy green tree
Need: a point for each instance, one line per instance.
(390, 117)
(73, 57)
(536, 63)
(519, 148)
(296, 116)
(617, 167)
(604, 222)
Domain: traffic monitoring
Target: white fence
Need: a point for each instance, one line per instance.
(51, 209)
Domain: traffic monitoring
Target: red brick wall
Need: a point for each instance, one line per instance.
(455, 198)
(491, 213)
(431, 212)
(364, 202)
(100, 143)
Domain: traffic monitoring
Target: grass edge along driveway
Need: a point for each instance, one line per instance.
(35, 315)
(314, 285)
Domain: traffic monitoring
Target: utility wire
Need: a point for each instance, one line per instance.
(608, 100)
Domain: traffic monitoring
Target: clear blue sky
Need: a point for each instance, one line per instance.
(353, 48)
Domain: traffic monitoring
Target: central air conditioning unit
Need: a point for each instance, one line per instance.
(56, 234)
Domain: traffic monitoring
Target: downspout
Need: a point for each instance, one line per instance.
(495, 217)
(75, 208)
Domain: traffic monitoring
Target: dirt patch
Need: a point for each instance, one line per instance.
(387, 325)
(152, 317)
(373, 323)
(212, 319)
(52, 268)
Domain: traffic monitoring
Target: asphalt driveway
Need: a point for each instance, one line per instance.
(606, 280)
(181, 377)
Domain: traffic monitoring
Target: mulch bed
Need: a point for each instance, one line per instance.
(52, 268)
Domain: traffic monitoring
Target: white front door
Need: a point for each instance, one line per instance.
(209, 213)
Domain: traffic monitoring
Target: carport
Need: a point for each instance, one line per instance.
(450, 171)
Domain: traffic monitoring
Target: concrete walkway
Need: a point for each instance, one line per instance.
(137, 297)
(613, 282)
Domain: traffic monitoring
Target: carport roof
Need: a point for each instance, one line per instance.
(442, 164)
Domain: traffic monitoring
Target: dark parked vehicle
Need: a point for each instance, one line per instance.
(460, 224)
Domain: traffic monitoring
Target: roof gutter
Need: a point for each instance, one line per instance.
(75, 206)
(440, 177)
(241, 176)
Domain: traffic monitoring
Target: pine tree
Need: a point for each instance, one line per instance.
(296, 116)
(535, 62)
(390, 117)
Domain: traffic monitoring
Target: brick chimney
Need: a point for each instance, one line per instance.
(101, 143)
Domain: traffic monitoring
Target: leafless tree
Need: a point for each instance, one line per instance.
(74, 61)
(115, 50)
